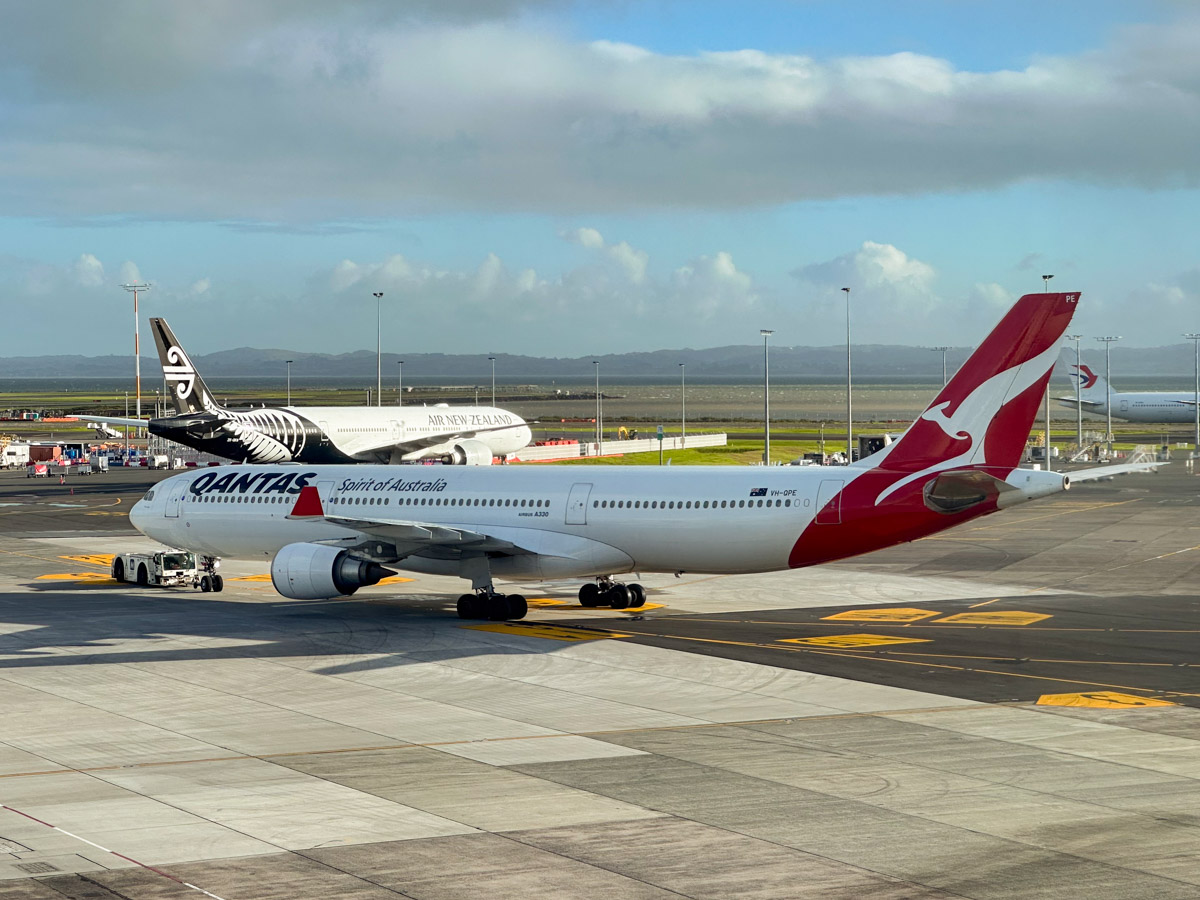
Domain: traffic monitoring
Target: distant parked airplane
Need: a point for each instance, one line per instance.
(1133, 406)
(460, 435)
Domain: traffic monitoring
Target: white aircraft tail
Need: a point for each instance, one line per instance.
(1091, 385)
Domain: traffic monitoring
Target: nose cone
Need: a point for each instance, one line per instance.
(139, 516)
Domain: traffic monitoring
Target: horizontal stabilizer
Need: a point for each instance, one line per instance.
(1099, 472)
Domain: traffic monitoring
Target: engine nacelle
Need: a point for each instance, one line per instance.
(317, 572)
(471, 453)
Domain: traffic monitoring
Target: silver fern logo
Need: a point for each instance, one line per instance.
(179, 371)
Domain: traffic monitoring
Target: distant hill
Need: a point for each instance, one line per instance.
(735, 361)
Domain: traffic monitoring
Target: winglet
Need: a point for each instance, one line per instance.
(308, 504)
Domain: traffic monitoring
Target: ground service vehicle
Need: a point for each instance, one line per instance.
(170, 569)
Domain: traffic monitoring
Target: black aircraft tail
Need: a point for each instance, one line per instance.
(188, 390)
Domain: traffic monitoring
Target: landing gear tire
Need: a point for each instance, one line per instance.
(637, 596)
(468, 607)
(517, 606)
(119, 570)
(205, 584)
(143, 577)
(589, 595)
(218, 584)
(497, 607)
(618, 596)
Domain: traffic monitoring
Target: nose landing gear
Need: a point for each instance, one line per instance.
(606, 592)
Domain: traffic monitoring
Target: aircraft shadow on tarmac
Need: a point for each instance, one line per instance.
(101, 619)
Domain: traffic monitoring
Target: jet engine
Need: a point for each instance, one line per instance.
(471, 453)
(317, 572)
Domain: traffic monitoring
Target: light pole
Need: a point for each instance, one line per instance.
(378, 295)
(942, 350)
(1046, 446)
(849, 401)
(1195, 339)
(492, 360)
(1108, 342)
(599, 427)
(400, 382)
(682, 404)
(766, 333)
(289, 365)
(1078, 393)
(137, 345)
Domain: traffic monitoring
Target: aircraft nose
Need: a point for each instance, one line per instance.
(139, 516)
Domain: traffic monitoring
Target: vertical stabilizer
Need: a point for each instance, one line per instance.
(1091, 385)
(983, 416)
(188, 390)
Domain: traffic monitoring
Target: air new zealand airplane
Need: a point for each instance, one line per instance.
(461, 435)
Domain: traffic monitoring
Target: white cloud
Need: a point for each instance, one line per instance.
(881, 277)
(200, 287)
(585, 237)
(130, 274)
(89, 271)
(313, 112)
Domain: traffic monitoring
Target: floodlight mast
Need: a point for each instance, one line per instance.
(137, 344)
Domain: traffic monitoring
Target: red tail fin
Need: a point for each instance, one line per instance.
(983, 416)
(308, 504)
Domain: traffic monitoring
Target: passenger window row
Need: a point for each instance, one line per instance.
(686, 504)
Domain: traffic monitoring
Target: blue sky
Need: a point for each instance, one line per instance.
(574, 178)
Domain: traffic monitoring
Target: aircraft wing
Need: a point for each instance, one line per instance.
(1099, 472)
(1084, 403)
(431, 440)
(114, 420)
(386, 540)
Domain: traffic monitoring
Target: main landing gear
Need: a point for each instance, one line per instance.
(606, 592)
(485, 603)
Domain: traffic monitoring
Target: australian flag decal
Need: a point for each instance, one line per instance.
(758, 492)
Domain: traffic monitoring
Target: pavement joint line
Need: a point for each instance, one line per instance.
(1024, 520)
(267, 757)
(54, 509)
(115, 853)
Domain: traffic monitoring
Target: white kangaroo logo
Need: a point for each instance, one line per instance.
(970, 421)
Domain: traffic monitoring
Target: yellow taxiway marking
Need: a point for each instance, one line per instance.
(79, 577)
(853, 641)
(24, 508)
(568, 606)
(875, 614)
(549, 632)
(103, 560)
(1101, 699)
(993, 617)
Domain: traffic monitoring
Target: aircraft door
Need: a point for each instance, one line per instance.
(829, 502)
(171, 507)
(1124, 406)
(577, 504)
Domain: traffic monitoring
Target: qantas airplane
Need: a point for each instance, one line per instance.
(329, 530)
(460, 435)
(1132, 406)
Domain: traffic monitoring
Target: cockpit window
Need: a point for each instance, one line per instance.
(149, 495)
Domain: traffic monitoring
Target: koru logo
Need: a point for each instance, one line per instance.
(180, 372)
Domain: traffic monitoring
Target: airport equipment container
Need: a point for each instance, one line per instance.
(15, 455)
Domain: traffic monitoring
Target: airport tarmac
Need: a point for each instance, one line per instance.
(1006, 710)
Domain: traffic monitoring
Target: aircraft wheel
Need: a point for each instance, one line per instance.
(218, 584)
(589, 595)
(497, 607)
(517, 606)
(637, 596)
(206, 584)
(119, 570)
(143, 577)
(618, 596)
(467, 608)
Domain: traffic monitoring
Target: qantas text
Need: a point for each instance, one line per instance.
(251, 483)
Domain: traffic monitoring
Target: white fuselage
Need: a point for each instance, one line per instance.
(1141, 406)
(590, 519)
(357, 430)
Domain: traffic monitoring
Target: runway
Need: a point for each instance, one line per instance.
(841, 731)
